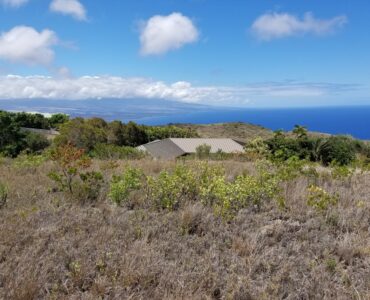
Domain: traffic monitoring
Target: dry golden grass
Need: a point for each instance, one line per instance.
(51, 248)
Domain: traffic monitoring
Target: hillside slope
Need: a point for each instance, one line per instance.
(238, 131)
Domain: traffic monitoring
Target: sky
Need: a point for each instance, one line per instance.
(245, 53)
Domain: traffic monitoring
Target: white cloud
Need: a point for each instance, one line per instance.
(161, 34)
(14, 3)
(26, 45)
(100, 87)
(73, 8)
(279, 25)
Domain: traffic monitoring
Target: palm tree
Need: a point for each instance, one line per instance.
(300, 131)
(317, 146)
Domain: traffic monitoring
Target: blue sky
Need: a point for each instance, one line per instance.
(239, 53)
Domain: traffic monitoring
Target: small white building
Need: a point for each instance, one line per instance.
(175, 147)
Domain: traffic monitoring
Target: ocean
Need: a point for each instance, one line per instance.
(352, 120)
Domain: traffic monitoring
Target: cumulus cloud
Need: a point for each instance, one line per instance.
(13, 3)
(26, 45)
(161, 34)
(100, 87)
(73, 8)
(279, 25)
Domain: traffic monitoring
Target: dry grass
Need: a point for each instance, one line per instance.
(239, 131)
(51, 248)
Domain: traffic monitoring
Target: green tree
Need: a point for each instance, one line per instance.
(300, 131)
(134, 135)
(11, 138)
(58, 119)
(84, 134)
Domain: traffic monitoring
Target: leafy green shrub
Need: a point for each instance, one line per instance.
(251, 190)
(227, 198)
(290, 169)
(340, 171)
(203, 151)
(3, 195)
(108, 151)
(257, 149)
(165, 190)
(338, 149)
(58, 119)
(25, 161)
(35, 142)
(88, 190)
(188, 180)
(320, 199)
(122, 185)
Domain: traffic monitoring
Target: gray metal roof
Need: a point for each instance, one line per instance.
(175, 147)
(190, 145)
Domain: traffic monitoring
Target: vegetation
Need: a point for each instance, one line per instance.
(14, 140)
(91, 217)
(192, 229)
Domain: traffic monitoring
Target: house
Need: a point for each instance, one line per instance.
(172, 148)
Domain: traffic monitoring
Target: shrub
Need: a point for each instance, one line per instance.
(338, 149)
(107, 151)
(29, 161)
(340, 171)
(290, 169)
(320, 199)
(88, 190)
(218, 194)
(165, 190)
(3, 195)
(257, 148)
(35, 142)
(83, 134)
(203, 151)
(70, 162)
(58, 119)
(121, 186)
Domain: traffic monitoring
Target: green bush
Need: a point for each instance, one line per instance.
(107, 151)
(340, 171)
(338, 149)
(203, 151)
(27, 161)
(3, 195)
(165, 190)
(89, 188)
(320, 199)
(122, 185)
(257, 148)
(35, 142)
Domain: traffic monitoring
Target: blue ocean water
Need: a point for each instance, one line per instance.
(353, 120)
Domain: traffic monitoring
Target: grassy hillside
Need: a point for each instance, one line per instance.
(55, 247)
(238, 131)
